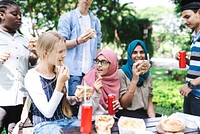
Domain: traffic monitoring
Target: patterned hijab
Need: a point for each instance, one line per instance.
(110, 81)
(127, 68)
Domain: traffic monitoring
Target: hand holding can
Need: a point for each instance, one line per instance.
(182, 60)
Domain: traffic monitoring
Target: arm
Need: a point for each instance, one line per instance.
(32, 48)
(126, 99)
(39, 98)
(65, 30)
(150, 110)
(81, 39)
(185, 90)
(33, 59)
(196, 81)
(99, 35)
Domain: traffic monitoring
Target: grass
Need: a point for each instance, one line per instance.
(166, 84)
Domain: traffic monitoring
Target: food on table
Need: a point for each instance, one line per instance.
(128, 125)
(103, 124)
(171, 125)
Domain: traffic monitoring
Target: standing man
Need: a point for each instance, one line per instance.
(191, 90)
(83, 33)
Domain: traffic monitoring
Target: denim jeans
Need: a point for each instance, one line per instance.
(53, 127)
(73, 82)
(191, 105)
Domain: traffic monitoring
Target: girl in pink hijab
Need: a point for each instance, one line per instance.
(104, 79)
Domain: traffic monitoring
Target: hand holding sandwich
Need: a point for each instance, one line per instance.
(88, 34)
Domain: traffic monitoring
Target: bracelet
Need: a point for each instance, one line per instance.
(131, 91)
(77, 41)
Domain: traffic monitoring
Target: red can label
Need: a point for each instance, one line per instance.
(182, 61)
(111, 98)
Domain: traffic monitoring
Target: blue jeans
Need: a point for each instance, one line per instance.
(53, 127)
(73, 82)
(191, 105)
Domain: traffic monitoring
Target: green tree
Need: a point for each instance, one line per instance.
(119, 22)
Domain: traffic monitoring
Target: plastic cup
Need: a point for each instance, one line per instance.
(86, 118)
(182, 61)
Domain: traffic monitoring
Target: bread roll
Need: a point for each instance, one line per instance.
(144, 66)
(80, 91)
(103, 124)
(172, 125)
(92, 31)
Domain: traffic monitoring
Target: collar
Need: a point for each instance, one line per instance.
(80, 15)
(15, 35)
(195, 37)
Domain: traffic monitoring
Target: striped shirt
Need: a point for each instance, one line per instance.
(194, 68)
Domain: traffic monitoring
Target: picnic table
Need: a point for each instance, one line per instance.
(149, 122)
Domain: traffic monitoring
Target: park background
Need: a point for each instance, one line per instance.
(158, 25)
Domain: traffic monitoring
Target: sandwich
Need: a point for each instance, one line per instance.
(80, 91)
(93, 32)
(144, 66)
(171, 126)
(103, 124)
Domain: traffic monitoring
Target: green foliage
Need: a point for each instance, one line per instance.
(119, 22)
(169, 36)
(179, 75)
(166, 89)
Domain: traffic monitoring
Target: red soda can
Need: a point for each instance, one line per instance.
(86, 119)
(111, 98)
(182, 61)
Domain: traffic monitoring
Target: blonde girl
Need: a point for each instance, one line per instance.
(46, 86)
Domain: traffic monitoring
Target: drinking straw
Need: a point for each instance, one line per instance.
(85, 91)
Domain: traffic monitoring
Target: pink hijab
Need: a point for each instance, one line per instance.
(111, 83)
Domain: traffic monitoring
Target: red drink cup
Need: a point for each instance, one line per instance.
(182, 61)
(86, 118)
(111, 98)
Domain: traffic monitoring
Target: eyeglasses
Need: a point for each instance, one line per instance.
(103, 62)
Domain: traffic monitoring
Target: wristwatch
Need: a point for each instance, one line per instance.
(190, 85)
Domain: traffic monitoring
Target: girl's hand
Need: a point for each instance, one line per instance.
(135, 71)
(116, 105)
(98, 85)
(63, 74)
(4, 55)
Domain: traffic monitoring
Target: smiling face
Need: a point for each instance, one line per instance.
(191, 19)
(11, 18)
(102, 65)
(138, 53)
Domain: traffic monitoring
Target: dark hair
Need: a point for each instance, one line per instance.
(5, 3)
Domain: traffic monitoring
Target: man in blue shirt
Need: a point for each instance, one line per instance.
(83, 33)
(73, 26)
(191, 90)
